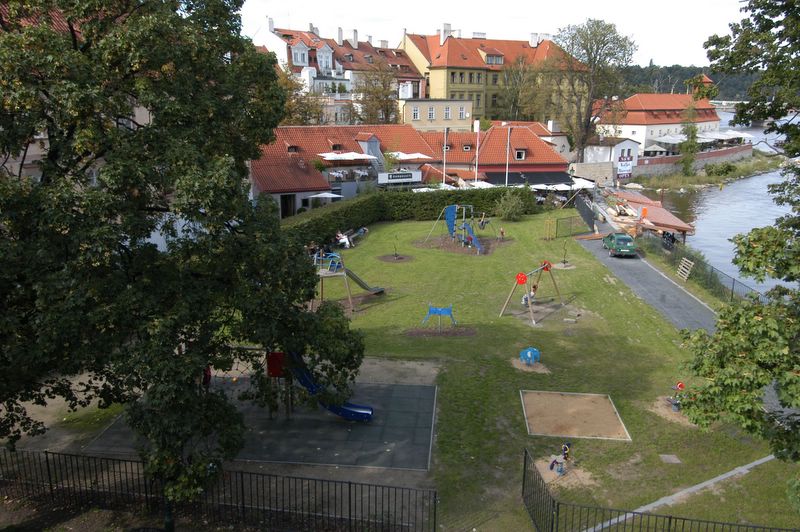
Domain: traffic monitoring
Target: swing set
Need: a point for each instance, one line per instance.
(460, 221)
(531, 287)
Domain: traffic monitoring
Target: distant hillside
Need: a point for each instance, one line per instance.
(671, 79)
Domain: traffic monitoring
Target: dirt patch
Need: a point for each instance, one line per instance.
(573, 477)
(445, 243)
(396, 259)
(577, 415)
(562, 266)
(627, 470)
(434, 331)
(381, 370)
(660, 407)
(543, 308)
(536, 367)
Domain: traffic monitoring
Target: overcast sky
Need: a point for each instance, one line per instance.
(670, 32)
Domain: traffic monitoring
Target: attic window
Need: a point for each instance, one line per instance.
(335, 147)
(519, 155)
(348, 57)
(368, 58)
(292, 148)
(467, 147)
(446, 147)
(398, 53)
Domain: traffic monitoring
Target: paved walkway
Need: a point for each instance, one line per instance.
(669, 298)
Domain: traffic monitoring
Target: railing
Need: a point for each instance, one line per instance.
(550, 515)
(267, 501)
(717, 282)
(569, 226)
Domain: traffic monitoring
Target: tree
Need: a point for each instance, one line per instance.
(302, 107)
(515, 93)
(375, 100)
(588, 70)
(690, 146)
(130, 252)
(755, 348)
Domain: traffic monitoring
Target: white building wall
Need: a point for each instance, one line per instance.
(644, 135)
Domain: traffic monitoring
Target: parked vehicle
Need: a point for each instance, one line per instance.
(619, 245)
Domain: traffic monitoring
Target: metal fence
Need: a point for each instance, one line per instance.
(550, 515)
(569, 226)
(267, 501)
(715, 281)
(584, 206)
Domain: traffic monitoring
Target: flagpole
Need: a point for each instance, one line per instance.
(444, 157)
(477, 149)
(508, 149)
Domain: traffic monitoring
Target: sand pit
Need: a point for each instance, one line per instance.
(537, 367)
(396, 259)
(573, 415)
(573, 477)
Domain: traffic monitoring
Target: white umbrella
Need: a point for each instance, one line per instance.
(407, 156)
(581, 183)
(353, 156)
(328, 195)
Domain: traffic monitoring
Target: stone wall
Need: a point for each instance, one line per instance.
(650, 166)
(601, 173)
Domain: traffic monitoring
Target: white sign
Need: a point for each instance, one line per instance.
(625, 167)
(406, 176)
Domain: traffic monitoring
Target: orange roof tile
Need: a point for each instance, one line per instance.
(466, 53)
(646, 109)
(494, 149)
(285, 173)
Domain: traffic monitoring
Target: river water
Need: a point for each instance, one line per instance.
(720, 213)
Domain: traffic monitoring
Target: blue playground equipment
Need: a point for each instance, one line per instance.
(349, 411)
(456, 219)
(439, 312)
(530, 355)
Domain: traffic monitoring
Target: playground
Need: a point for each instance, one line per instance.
(604, 341)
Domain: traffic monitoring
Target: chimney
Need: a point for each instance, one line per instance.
(271, 24)
(311, 27)
(339, 37)
(534, 40)
(384, 44)
(354, 40)
(369, 39)
(553, 127)
(459, 34)
(446, 31)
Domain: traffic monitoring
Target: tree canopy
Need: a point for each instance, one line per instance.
(749, 368)
(131, 257)
(302, 107)
(375, 93)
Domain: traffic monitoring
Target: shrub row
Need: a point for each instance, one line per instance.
(320, 225)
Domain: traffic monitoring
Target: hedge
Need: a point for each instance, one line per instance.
(320, 225)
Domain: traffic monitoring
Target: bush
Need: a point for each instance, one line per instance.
(720, 169)
(510, 207)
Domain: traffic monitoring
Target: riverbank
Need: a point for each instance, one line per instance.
(715, 174)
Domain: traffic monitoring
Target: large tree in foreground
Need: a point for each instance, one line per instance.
(750, 366)
(130, 255)
(588, 71)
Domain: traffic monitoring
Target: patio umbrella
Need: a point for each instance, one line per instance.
(328, 195)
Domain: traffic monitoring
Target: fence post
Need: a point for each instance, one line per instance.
(49, 476)
(733, 289)
(524, 472)
(349, 505)
(553, 515)
(241, 486)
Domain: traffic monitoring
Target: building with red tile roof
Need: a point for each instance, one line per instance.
(471, 68)
(654, 118)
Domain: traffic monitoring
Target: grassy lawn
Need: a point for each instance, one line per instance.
(619, 346)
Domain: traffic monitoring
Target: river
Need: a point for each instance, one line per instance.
(720, 213)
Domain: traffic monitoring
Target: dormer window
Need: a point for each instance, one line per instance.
(519, 155)
(336, 147)
(348, 57)
(368, 58)
(494, 59)
(292, 148)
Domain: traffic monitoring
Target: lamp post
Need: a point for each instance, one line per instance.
(508, 150)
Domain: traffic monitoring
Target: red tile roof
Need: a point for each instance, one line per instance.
(287, 172)
(494, 148)
(54, 18)
(646, 109)
(456, 140)
(466, 53)
(537, 127)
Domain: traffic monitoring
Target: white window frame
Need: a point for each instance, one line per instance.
(447, 112)
(519, 155)
(462, 112)
(466, 147)
(431, 113)
(415, 113)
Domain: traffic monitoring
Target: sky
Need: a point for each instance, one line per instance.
(669, 32)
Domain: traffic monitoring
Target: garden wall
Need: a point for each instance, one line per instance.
(649, 166)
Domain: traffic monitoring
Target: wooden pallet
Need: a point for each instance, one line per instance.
(685, 268)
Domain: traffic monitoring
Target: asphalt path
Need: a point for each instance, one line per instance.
(659, 291)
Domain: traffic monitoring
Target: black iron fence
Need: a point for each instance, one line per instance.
(570, 226)
(584, 206)
(720, 284)
(551, 515)
(267, 501)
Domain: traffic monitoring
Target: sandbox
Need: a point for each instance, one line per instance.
(572, 415)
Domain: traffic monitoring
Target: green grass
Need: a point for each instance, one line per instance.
(757, 164)
(91, 419)
(619, 346)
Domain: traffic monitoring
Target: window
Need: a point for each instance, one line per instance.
(452, 77)
(462, 112)
(304, 202)
(415, 113)
(335, 147)
(633, 132)
(447, 113)
(480, 77)
(477, 100)
(368, 58)
(461, 77)
(431, 113)
(303, 57)
(495, 77)
(629, 152)
(659, 131)
(452, 95)
(293, 149)
(519, 155)
(466, 147)
(494, 100)
(460, 95)
(471, 77)
(446, 147)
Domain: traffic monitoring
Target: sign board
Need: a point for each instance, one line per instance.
(625, 166)
(406, 176)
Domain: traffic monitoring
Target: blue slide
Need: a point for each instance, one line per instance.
(450, 218)
(349, 411)
(475, 241)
